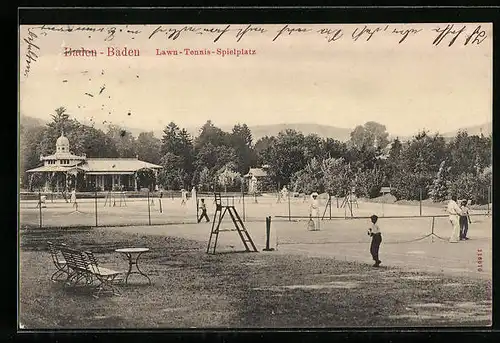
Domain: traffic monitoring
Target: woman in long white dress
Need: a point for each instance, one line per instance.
(183, 197)
(314, 211)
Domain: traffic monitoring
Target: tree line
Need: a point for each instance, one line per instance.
(427, 165)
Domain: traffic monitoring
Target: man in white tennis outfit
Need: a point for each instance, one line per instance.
(454, 212)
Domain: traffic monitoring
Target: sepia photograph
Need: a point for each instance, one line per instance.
(210, 176)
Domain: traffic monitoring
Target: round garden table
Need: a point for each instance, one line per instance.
(130, 253)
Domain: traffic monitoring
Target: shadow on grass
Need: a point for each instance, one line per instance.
(231, 252)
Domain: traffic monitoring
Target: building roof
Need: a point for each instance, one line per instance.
(61, 156)
(62, 140)
(50, 168)
(257, 172)
(99, 165)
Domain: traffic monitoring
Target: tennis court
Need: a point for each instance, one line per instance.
(101, 211)
(409, 240)
(407, 243)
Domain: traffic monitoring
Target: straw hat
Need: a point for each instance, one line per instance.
(314, 194)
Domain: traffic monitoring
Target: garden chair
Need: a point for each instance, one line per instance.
(77, 263)
(62, 269)
(106, 277)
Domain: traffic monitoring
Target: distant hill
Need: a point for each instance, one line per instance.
(27, 121)
(259, 131)
(341, 134)
(476, 130)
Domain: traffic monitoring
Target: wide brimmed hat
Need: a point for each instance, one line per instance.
(314, 194)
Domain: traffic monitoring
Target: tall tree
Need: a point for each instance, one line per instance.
(368, 135)
(177, 146)
(60, 120)
(29, 152)
(124, 141)
(337, 176)
(287, 156)
(263, 150)
(241, 142)
(148, 147)
(334, 148)
(209, 133)
(469, 154)
(421, 159)
(313, 147)
(439, 189)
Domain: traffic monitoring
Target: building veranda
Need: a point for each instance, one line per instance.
(64, 171)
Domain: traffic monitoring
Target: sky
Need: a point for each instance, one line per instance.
(300, 77)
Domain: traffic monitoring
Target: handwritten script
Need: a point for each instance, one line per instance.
(31, 51)
(448, 34)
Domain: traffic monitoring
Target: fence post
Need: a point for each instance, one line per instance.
(195, 201)
(489, 198)
(420, 200)
(149, 210)
(243, 198)
(95, 205)
(289, 210)
(40, 207)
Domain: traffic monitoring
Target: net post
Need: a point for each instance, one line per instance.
(268, 234)
(159, 200)
(40, 207)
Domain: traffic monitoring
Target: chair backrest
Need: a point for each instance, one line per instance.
(93, 265)
(75, 259)
(54, 252)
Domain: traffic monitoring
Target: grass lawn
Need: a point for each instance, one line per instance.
(192, 289)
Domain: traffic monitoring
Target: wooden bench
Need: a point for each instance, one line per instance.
(85, 269)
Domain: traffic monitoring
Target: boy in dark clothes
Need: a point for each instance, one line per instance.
(464, 220)
(376, 235)
(203, 211)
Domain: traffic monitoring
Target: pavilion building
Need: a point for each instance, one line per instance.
(255, 177)
(64, 171)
